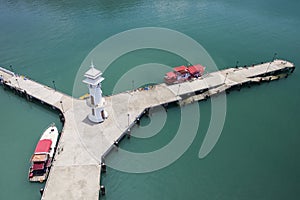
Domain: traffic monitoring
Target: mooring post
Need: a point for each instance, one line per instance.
(41, 191)
(102, 190)
(138, 121)
(103, 167)
(128, 133)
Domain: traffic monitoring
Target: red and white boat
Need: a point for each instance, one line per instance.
(182, 73)
(43, 154)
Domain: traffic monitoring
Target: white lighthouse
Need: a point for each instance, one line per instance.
(96, 102)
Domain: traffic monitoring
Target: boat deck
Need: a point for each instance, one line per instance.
(39, 178)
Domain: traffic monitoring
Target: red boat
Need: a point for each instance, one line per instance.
(43, 154)
(182, 73)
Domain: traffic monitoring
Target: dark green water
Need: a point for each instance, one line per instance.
(257, 155)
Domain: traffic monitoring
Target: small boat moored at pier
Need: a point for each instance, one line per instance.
(43, 154)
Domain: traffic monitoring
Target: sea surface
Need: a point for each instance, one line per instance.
(257, 154)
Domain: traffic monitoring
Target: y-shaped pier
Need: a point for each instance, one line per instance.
(76, 169)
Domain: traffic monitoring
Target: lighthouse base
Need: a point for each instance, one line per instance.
(95, 119)
(99, 116)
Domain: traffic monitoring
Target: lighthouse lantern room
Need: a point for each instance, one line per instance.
(95, 101)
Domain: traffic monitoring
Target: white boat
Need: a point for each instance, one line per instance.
(43, 154)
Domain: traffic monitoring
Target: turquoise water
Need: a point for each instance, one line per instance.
(257, 155)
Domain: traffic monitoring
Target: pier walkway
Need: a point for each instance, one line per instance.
(76, 169)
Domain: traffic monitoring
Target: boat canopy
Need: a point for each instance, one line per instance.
(43, 146)
(180, 69)
(171, 75)
(196, 69)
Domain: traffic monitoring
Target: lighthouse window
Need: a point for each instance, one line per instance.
(93, 111)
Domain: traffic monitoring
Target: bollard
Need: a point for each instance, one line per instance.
(103, 167)
(116, 143)
(138, 121)
(41, 191)
(102, 190)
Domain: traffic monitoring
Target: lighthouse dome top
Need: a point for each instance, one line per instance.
(93, 76)
(93, 73)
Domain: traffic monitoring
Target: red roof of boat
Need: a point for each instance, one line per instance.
(196, 69)
(171, 75)
(43, 146)
(181, 68)
(38, 166)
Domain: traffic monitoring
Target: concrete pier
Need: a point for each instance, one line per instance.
(76, 169)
